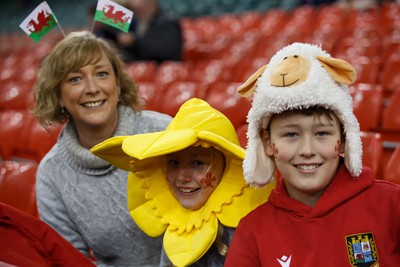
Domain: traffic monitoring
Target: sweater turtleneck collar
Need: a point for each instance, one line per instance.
(81, 158)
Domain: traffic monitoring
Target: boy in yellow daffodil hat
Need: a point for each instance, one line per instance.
(187, 183)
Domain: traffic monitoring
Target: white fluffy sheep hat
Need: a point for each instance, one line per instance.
(297, 77)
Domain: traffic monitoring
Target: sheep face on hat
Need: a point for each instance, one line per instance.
(299, 76)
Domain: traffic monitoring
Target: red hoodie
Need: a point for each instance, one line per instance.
(356, 222)
(27, 241)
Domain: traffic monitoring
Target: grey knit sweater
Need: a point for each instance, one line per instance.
(84, 198)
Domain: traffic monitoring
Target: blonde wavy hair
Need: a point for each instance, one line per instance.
(76, 50)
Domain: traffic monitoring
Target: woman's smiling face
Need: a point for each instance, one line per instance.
(193, 174)
(91, 94)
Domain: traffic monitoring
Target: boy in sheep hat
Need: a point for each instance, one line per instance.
(327, 210)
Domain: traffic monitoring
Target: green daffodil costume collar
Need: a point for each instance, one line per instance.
(188, 234)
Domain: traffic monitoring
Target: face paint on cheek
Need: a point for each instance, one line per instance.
(208, 181)
(276, 151)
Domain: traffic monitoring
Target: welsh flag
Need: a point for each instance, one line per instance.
(39, 22)
(113, 14)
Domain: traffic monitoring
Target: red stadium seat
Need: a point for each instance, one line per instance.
(230, 23)
(37, 140)
(14, 96)
(207, 28)
(367, 69)
(390, 78)
(223, 97)
(372, 151)
(250, 20)
(11, 132)
(142, 71)
(178, 93)
(273, 22)
(27, 74)
(392, 169)
(170, 71)
(391, 114)
(367, 105)
(203, 39)
(17, 185)
(237, 51)
(249, 66)
(152, 92)
(391, 49)
(358, 46)
(21, 136)
(209, 71)
(301, 20)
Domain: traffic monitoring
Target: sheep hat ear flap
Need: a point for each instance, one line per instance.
(340, 70)
(299, 76)
(259, 169)
(247, 89)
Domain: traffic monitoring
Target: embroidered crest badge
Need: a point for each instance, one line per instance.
(362, 251)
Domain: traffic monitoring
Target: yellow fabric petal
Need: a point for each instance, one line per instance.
(188, 247)
(160, 143)
(111, 151)
(137, 191)
(148, 220)
(251, 197)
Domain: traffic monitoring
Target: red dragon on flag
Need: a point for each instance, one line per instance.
(117, 16)
(39, 22)
(113, 14)
(43, 20)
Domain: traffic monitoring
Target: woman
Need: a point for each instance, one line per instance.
(82, 84)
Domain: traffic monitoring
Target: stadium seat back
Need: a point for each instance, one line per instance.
(18, 185)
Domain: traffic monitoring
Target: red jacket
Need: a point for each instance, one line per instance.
(27, 241)
(356, 222)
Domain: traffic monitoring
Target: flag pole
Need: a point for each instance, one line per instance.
(92, 28)
(58, 24)
(62, 31)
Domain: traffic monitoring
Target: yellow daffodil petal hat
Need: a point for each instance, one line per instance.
(195, 121)
(188, 234)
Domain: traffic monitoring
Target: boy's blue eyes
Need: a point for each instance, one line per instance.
(290, 134)
(322, 133)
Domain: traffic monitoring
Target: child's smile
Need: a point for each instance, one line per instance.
(305, 149)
